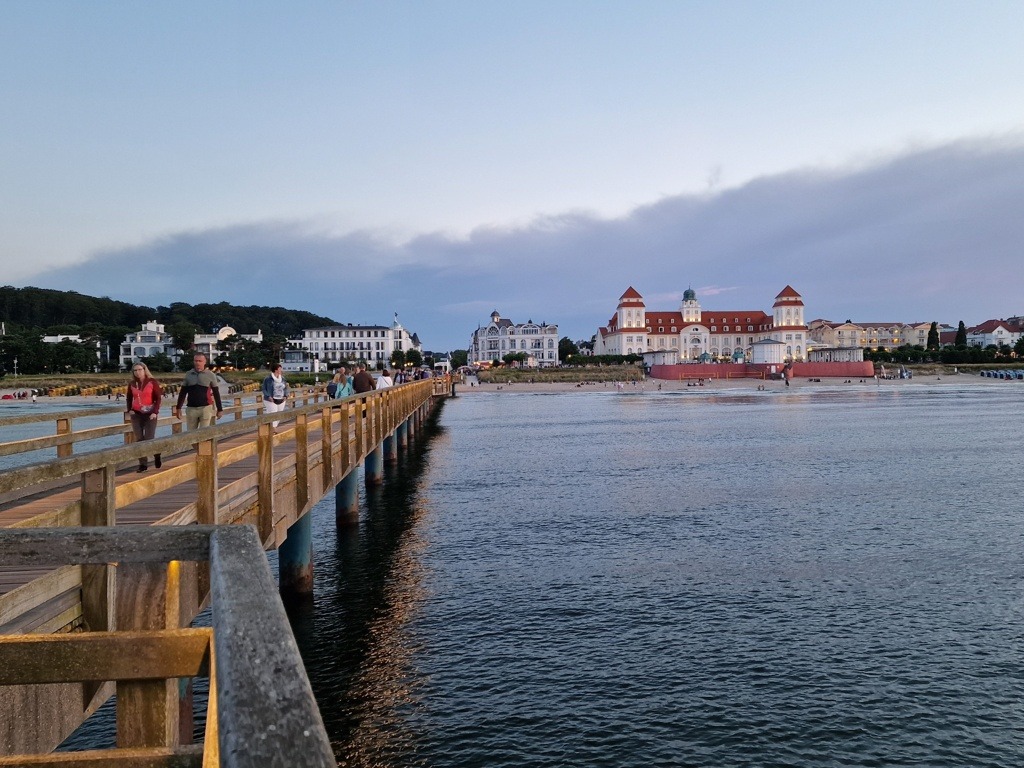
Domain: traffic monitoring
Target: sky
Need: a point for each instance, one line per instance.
(443, 159)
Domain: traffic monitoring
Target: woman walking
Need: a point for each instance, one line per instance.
(143, 407)
(275, 391)
(342, 384)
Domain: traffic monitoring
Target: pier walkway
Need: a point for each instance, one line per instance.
(103, 569)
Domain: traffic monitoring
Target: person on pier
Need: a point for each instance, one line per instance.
(275, 392)
(201, 390)
(143, 408)
(384, 381)
(343, 384)
(362, 381)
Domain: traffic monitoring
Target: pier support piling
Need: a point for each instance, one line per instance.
(295, 556)
(346, 500)
(373, 467)
(391, 449)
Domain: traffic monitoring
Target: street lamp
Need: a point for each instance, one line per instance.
(15, 367)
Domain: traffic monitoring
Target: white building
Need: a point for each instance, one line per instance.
(77, 340)
(539, 341)
(150, 340)
(207, 342)
(692, 334)
(338, 344)
(996, 332)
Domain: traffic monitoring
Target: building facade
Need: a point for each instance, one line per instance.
(825, 333)
(336, 344)
(148, 341)
(996, 332)
(693, 334)
(539, 341)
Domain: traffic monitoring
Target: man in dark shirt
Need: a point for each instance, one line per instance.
(199, 392)
(362, 381)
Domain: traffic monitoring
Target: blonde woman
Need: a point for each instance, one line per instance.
(143, 406)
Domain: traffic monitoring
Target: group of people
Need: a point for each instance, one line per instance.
(343, 385)
(198, 403)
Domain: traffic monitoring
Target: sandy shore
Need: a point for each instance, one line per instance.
(711, 385)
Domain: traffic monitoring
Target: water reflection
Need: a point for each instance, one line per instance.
(368, 582)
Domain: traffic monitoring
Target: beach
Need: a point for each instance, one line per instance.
(711, 385)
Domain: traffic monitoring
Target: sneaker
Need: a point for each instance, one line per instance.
(156, 461)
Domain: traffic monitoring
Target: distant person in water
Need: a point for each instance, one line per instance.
(143, 408)
(275, 391)
(199, 393)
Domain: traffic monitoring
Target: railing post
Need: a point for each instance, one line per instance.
(207, 481)
(129, 434)
(301, 463)
(360, 430)
(265, 491)
(346, 464)
(238, 408)
(64, 428)
(148, 710)
(327, 447)
(98, 580)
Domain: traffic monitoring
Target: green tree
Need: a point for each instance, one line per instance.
(515, 357)
(567, 348)
(159, 363)
(414, 358)
(398, 359)
(183, 333)
(1018, 348)
(933, 336)
(459, 358)
(961, 335)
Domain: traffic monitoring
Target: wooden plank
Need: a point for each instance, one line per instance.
(38, 591)
(150, 485)
(188, 756)
(48, 616)
(265, 447)
(98, 578)
(124, 544)
(99, 656)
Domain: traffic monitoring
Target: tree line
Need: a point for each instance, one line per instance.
(28, 314)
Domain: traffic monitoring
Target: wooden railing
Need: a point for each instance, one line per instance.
(65, 437)
(240, 472)
(261, 711)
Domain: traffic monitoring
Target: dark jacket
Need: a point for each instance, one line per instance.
(363, 382)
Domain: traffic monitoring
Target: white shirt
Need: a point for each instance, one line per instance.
(383, 382)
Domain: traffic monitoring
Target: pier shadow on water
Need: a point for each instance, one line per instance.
(367, 588)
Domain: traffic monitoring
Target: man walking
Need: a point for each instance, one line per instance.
(362, 381)
(199, 392)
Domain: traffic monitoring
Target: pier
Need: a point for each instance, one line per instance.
(104, 569)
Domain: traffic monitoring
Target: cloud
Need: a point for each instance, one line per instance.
(933, 234)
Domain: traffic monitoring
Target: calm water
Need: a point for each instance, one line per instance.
(748, 579)
(826, 578)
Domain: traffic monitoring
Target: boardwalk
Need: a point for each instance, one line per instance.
(241, 471)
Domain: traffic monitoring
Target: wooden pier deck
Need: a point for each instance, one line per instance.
(239, 472)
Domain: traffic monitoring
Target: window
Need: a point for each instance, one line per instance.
(674, 329)
(725, 328)
(714, 329)
(661, 329)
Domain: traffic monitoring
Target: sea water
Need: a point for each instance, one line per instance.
(816, 578)
(822, 577)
